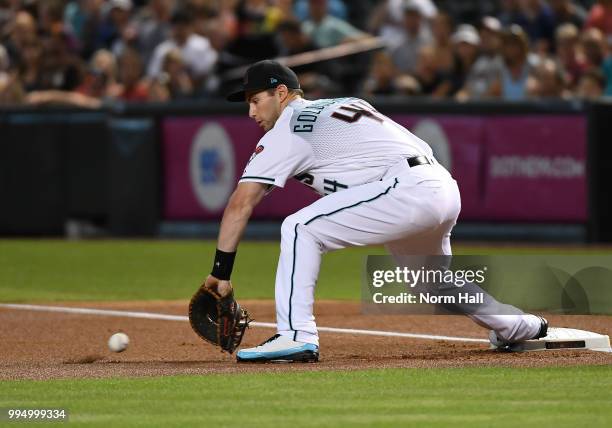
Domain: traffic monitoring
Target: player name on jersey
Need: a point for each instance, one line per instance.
(331, 145)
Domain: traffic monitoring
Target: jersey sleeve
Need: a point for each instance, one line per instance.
(277, 157)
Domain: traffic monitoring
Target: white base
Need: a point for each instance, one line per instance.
(565, 338)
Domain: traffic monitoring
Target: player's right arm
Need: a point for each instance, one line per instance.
(238, 212)
(276, 158)
(235, 218)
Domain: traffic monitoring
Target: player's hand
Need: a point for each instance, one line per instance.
(223, 287)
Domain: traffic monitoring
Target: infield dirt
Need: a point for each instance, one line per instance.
(44, 345)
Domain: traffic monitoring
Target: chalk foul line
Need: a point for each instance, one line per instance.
(166, 317)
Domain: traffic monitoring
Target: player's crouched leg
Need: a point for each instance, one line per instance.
(296, 277)
(298, 227)
(298, 267)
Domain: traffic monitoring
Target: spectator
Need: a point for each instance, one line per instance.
(61, 75)
(509, 12)
(593, 48)
(101, 75)
(490, 36)
(11, 91)
(175, 81)
(4, 60)
(21, 32)
(271, 14)
(600, 17)
(31, 65)
(41, 37)
(488, 65)
(607, 75)
(50, 19)
(382, 78)
(92, 26)
(469, 11)
(95, 87)
(430, 81)
(7, 13)
(415, 36)
(254, 41)
(209, 23)
(442, 30)
(466, 45)
(228, 22)
(511, 83)
(116, 23)
(148, 29)
(197, 55)
(427, 8)
(61, 69)
(293, 40)
(59, 97)
(567, 40)
(316, 86)
(537, 20)
(547, 81)
(286, 7)
(326, 30)
(567, 12)
(117, 31)
(130, 87)
(104, 21)
(75, 17)
(358, 12)
(591, 85)
(387, 19)
(301, 9)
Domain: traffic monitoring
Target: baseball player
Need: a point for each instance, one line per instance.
(380, 185)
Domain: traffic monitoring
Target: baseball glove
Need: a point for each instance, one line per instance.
(218, 320)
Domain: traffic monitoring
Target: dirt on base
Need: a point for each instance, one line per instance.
(45, 345)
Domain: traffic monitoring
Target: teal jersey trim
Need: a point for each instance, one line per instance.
(293, 273)
(257, 178)
(295, 230)
(354, 205)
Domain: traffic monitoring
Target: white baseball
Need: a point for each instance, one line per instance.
(118, 342)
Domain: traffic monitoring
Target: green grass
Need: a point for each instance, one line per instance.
(151, 270)
(55, 270)
(51, 270)
(560, 397)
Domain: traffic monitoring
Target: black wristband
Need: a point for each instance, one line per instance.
(223, 265)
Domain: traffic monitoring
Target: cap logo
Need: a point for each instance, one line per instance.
(273, 80)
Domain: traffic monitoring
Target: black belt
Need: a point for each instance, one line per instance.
(418, 160)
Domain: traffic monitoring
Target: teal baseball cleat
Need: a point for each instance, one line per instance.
(280, 349)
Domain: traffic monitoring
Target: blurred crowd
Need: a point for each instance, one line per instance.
(91, 52)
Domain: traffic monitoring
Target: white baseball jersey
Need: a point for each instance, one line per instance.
(344, 149)
(331, 145)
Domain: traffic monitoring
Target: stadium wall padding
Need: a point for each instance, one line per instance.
(599, 166)
(128, 167)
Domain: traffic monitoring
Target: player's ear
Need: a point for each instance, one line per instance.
(282, 92)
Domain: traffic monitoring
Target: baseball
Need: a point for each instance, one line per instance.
(118, 342)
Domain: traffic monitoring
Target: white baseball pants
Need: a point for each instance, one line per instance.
(411, 211)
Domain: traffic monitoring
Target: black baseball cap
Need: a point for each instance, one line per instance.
(263, 75)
